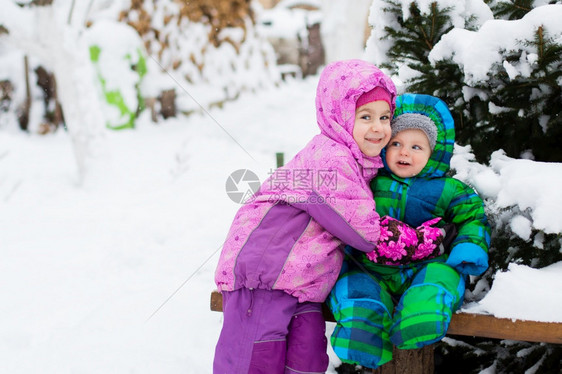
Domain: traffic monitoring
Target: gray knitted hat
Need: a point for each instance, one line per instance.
(418, 121)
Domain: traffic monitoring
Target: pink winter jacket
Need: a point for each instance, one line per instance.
(290, 236)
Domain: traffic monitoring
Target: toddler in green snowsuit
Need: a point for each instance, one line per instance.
(395, 295)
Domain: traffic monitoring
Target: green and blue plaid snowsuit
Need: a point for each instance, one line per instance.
(410, 306)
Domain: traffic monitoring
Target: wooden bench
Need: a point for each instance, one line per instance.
(420, 361)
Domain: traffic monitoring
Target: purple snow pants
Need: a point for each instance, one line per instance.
(270, 332)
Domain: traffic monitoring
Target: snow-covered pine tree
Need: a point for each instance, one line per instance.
(515, 9)
(413, 36)
(515, 105)
(530, 101)
(523, 108)
(412, 41)
(417, 34)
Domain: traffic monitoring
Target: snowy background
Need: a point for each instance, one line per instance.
(113, 273)
(85, 267)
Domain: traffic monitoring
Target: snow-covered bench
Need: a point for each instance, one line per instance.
(467, 324)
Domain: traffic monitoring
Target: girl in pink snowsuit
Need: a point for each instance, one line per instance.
(284, 250)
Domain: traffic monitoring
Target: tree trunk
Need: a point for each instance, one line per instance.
(343, 28)
(66, 54)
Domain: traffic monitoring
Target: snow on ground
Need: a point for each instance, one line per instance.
(84, 268)
(114, 276)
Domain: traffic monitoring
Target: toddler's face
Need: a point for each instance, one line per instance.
(408, 153)
(372, 127)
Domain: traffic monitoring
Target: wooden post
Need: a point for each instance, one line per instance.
(168, 103)
(24, 115)
(411, 361)
(280, 157)
(58, 116)
(150, 103)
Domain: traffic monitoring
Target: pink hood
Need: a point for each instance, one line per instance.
(341, 83)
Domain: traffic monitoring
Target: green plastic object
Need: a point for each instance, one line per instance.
(115, 97)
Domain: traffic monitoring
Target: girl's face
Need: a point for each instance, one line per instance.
(408, 153)
(372, 127)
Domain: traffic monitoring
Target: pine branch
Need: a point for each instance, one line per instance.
(514, 10)
(540, 42)
(419, 24)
